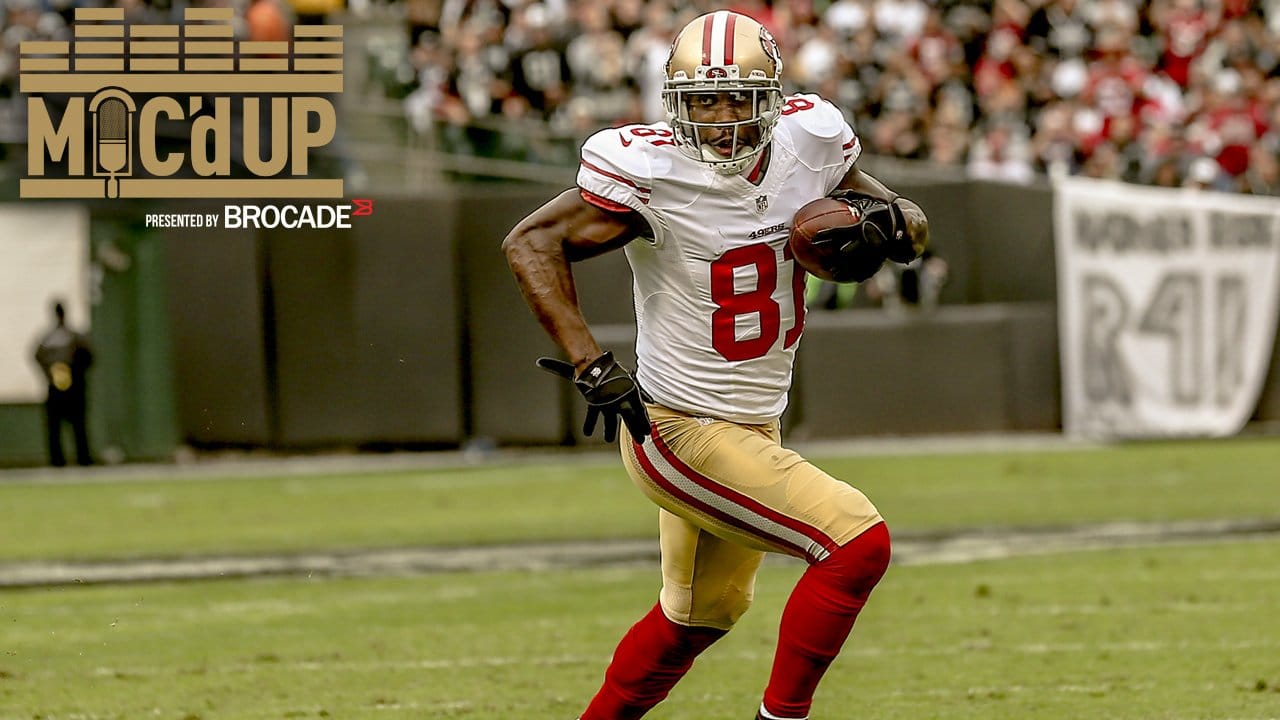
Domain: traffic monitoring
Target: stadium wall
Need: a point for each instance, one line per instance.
(305, 339)
(408, 331)
(862, 372)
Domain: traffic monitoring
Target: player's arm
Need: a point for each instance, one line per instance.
(917, 224)
(831, 144)
(540, 250)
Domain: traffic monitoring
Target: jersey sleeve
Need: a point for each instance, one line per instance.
(825, 142)
(614, 172)
(615, 176)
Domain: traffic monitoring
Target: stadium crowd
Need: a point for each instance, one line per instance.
(1162, 92)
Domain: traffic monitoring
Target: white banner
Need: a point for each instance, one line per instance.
(1167, 307)
(44, 255)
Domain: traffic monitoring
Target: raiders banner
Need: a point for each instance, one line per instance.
(1167, 307)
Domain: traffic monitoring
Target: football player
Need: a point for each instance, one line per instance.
(702, 205)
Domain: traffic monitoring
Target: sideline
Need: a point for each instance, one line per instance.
(919, 549)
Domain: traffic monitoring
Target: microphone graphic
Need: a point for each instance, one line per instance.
(113, 133)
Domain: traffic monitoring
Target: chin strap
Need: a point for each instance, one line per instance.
(726, 166)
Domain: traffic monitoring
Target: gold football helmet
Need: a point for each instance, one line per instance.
(723, 52)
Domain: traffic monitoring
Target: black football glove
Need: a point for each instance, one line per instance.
(847, 255)
(883, 226)
(610, 391)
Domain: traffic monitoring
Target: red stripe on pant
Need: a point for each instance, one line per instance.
(732, 521)
(813, 534)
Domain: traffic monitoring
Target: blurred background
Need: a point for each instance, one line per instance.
(460, 116)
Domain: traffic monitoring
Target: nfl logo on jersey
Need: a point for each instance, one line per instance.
(762, 203)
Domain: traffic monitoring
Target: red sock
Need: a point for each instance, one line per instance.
(818, 618)
(653, 655)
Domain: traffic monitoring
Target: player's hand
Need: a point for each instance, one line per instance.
(610, 392)
(883, 225)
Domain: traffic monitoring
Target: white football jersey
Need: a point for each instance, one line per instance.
(719, 303)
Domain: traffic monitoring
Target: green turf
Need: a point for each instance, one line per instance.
(1175, 633)
(1159, 481)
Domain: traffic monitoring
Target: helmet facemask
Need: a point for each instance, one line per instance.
(765, 102)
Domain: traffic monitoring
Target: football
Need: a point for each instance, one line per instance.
(826, 241)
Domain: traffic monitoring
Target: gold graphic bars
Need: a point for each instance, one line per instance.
(199, 56)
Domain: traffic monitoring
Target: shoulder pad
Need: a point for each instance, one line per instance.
(616, 166)
(819, 132)
(814, 116)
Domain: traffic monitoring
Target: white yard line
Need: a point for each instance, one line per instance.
(548, 661)
(959, 547)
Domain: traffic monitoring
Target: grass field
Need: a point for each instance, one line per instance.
(1161, 633)
(508, 502)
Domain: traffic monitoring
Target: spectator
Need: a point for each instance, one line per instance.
(897, 134)
(900, 21)
(817, 58)
(1184, 28)
(268, 21)
(999, 154)
(1104, 163)
(1118, 16)
(948, 145)
(422, 17)
(1166, 173)
(1115, 78)
(1229, 123)
(1263, 175)
(1060, 28)
(1122, 136)
(848, 17)
(476, 77)
(630, 16)
(1204, 173)
(937, 51)
(599, 90)
(540, 71)
(646, 54)
(1053, 147)
(64, 357)
(914, 286)
(996, 64)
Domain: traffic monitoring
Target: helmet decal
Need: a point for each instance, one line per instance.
(718, 38)
(770, 47)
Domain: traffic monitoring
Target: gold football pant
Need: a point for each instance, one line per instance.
(728, 493)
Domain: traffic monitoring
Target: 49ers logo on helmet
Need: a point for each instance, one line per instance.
(770, 47)
(717, 72)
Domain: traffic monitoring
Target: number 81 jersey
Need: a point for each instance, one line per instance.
(719, 302)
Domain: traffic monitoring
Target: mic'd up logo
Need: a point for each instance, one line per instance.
(116, 91)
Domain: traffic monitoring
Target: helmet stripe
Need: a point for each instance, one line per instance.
(728, 38)
(706, 41)
(718, 22)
